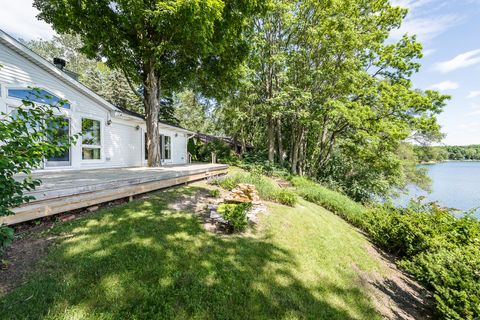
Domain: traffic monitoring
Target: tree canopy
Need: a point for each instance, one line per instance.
(164, 45)
(330, 96)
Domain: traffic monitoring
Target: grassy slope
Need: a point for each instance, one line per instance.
(145, 261)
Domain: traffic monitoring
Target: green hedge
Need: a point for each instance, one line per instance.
(440, 250)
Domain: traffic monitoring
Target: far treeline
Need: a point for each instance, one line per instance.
(426, 154)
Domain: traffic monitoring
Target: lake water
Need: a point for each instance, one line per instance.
(454, 185)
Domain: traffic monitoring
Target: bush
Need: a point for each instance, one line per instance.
(286, 197)
(215, 193)
(454, 275)
(442, 251)
(6, 237)
(267, 189)
(235, 214)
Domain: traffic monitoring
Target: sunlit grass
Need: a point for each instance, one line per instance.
(145, 261)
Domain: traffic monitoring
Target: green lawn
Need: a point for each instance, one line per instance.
(145, 261)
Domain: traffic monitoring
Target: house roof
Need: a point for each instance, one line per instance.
(48, 66)
(163, 123)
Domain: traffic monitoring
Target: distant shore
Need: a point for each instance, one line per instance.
(443, 161)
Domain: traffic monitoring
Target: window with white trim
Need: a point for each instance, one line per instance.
(167, 147)
(91, 139)
(38, 96)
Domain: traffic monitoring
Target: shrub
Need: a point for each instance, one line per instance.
(215, 193)
(286, 197)
(442, 251)
(235, 214)
(454, 275)
(6, 237)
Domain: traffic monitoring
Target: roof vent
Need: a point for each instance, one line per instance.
(59, 63)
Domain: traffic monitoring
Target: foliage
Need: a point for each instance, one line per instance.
(441, 153)
(193, 112)
(6, 237)
(455, 278)
(214, 193)
(326, 95)
(28, 136)
(267, 189)
(235, 214)
(164, 46)
(203, 151)
(438, 248)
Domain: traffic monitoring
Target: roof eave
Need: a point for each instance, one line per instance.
(50, 68)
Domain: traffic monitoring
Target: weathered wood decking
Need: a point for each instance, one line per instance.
(68, 190)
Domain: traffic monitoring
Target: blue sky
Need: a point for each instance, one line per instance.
(448, 29)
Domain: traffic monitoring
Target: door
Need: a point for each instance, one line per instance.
(63, 159)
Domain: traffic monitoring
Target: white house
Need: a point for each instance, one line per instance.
(111, 137)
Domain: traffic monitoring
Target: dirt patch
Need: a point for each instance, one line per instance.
(396, 295)
(19, 260)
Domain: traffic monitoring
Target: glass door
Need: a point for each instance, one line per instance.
(63, 159)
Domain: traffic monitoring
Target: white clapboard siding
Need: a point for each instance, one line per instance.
(124, 145)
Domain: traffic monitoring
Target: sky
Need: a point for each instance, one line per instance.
(448, 29)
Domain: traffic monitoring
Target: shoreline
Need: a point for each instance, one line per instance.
(445, 161)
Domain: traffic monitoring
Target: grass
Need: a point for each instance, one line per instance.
(146, 261)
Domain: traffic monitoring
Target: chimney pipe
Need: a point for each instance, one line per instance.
(59, 63)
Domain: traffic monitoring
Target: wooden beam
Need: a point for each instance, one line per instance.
(45, 208)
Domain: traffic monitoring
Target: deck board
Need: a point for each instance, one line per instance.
(67, 190)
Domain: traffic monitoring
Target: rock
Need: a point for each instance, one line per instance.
(243, 193)
(67, 218)
(92, 208)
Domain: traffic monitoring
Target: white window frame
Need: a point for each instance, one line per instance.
(88, 146)
(164, 149)
(12, 103)
(16, 102)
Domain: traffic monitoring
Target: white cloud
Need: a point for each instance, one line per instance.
(18, 18)
(411, 4)
(463, 60)
(424, 19)
(444, 85)
(429, 52)
(425, 28)
(473, 94)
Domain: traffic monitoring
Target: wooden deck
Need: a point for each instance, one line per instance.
(62, 191)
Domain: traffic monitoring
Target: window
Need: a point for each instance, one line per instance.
(146, 146)
(40, 96)
(91, 139)
(167, 147)
(62, 132)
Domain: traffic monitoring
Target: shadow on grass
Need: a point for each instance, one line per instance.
(145, 261)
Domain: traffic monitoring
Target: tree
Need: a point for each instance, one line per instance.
(334, 100)
(28, 136)
(193, 112)
(161, 44)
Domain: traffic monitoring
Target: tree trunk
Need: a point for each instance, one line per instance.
(271, 139)
(302, 151)
(296, 151)
(279, 141)
(152, 109)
